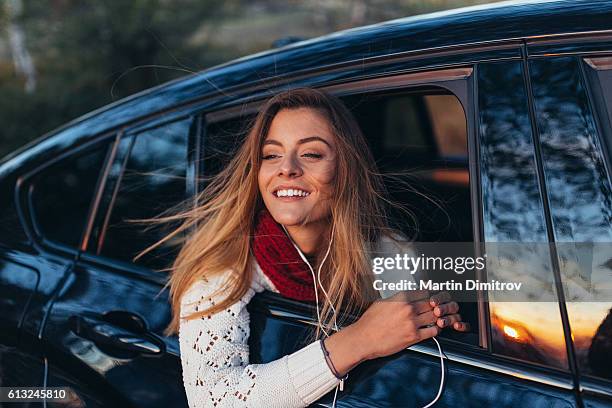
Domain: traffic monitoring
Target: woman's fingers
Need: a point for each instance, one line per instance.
(446, 309)
(425, 319)
(446, 312)
(428, 332)
(439, 298)
(421, 307)
(461, 326)
(449, 320)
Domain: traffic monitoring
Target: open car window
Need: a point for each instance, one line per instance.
(418, 135)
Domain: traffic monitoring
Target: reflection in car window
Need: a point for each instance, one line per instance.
(513, 212)
(580, 198)
(62, 194)
(154, 180)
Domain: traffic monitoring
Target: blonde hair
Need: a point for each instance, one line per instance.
(220, 226)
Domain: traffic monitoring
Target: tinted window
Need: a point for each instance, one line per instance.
(513, 212)
(62, 194)
(153, 181)
(580, 196)
(422, 138)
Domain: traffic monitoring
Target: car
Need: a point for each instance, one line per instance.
(499, 118)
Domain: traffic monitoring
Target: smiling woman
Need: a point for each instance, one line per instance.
(281, 209)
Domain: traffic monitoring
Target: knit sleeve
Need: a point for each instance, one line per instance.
(215, 359)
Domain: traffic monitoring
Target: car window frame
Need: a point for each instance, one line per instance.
(460, 82)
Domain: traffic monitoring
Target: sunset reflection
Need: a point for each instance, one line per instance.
(529, 331)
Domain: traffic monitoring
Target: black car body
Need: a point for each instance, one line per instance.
(527, 90)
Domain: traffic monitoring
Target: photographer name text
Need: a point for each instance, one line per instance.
(468, 284)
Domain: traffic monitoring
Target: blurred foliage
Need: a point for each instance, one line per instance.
(88, 53)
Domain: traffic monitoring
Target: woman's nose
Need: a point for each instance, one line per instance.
(289, 166)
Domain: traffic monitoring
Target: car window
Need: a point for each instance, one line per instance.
(580, 197)
(421, 135)
(62, 192)
(526, 325)
(153, 180)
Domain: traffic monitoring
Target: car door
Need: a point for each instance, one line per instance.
(572, 96)
(43, 225)
(104, 336)
(466, 166)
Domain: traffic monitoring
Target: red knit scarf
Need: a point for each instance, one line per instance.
(280, 261)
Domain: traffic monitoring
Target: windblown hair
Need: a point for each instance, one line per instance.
(220, 226)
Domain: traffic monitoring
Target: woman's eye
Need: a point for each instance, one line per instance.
(313, 155)
(269, 156)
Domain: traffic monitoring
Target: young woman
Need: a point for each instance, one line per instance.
(301, 195)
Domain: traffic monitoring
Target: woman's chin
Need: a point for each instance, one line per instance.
(288, 218)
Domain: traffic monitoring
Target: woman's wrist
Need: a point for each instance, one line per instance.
(346, 349)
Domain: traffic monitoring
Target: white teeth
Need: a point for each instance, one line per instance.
(291, 193)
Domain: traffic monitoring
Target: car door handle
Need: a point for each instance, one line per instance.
(106, 334)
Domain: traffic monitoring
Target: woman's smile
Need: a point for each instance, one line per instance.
(290, 193)
(290, 196)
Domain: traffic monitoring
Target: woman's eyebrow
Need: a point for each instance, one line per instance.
(301, 141)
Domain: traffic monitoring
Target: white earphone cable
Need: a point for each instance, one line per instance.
(318, 281)
(441, 376)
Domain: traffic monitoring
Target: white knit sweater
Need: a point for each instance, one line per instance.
(215, 356)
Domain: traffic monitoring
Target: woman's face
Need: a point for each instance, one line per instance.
(298, 166)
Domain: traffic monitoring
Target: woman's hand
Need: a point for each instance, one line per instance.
(391, 325)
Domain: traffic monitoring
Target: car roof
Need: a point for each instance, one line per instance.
(469, 25)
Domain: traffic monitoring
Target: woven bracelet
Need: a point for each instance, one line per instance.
(330, 364)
